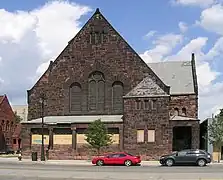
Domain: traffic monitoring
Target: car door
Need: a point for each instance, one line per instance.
(180, 157)
(191, 156)
(121, 159)
(110, 159)
(114, 158)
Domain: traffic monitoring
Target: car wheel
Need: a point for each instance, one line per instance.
(201, 162)
(169, 162)
(100, 163)
(128, 163)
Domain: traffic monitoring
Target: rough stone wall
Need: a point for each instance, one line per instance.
(190, 102)
(157, 119)
(113, 57)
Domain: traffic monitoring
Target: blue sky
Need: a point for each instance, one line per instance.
(158, 30)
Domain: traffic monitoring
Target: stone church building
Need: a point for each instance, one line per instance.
(150, 109)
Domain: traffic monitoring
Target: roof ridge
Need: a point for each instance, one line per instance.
(172, 61)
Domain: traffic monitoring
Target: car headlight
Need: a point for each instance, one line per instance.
(209, 156)
(162, 157)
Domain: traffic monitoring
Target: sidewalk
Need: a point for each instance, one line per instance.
(72, 162)
(65, 162)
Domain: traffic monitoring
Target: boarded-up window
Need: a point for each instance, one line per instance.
(62, 139)
(81, 139)
(96, 92)
(75, 97)
(140, 135)
(151, 135)
(37, 139)
(117, 93)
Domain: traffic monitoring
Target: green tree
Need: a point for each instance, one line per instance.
(97, 135)
(215, 132)
(18, 119)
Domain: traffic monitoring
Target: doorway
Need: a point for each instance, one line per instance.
(182, 138)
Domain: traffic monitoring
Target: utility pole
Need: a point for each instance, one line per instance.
(42, 147)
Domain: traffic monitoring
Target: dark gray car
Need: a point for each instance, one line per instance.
(188, 156)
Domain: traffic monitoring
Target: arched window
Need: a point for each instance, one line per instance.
(75, 97)
(7, 125)
(184, 112)
(117, 93)
(96, 92)
(176, 111)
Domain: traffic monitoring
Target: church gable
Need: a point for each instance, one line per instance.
(96, 49)
(146, 88)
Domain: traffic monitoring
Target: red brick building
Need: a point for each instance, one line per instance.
(9, 138)
(151, 109)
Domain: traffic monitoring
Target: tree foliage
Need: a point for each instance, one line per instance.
(97, 135)
(215, 131)
(18, 119)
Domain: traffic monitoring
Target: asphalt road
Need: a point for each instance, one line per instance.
(10, 171)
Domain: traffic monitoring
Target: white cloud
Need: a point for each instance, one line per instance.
(199, 3)
(211, 19)
(183, 27)
(28, 40)
(210, 91)
(150, 34)
(163, 46)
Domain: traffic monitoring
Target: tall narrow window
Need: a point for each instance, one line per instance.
(96, 92)
(176, 111)
(117, 93)
(75, 97)
(138, 104)
(146, 104)
(184, 112)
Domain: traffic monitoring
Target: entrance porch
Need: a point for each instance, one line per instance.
(186, 133)
(64, 137)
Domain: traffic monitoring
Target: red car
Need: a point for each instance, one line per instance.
(121, 158)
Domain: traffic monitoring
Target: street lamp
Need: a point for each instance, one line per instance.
(42, 146)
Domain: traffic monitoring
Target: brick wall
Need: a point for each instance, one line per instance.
(7, 123)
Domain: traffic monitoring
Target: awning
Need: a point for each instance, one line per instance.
(76, 119)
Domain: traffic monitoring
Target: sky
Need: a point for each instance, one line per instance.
(34, 32)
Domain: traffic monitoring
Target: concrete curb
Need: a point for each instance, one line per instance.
(73, 162)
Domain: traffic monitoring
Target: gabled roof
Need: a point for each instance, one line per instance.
(146, 88)
(177, 74)
(95, 16)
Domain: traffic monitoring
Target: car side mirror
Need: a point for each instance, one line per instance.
(177, 154)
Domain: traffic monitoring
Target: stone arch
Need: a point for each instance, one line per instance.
(75, 94)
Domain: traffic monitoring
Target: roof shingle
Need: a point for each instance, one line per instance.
(176, 74)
